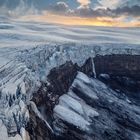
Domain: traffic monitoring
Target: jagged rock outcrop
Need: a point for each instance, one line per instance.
(79, 107)
(114, 118)
(60, 79)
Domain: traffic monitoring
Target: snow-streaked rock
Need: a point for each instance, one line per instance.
(74, 110)
(95, 116)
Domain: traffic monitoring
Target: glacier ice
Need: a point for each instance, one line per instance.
(29, 50)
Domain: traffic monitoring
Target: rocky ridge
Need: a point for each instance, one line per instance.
(99, 111)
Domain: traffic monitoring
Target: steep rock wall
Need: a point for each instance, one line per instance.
(118, 65)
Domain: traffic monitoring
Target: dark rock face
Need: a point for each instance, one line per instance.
(118, 118)
(124, 73)
(118, 65)
(117, 103)
(60, 79)
(37, 127)
(124, 86)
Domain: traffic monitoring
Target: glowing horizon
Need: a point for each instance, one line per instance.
(82, 21)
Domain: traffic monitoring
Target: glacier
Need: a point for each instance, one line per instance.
(29, 50)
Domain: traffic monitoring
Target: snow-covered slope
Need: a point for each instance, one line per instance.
(29, 50)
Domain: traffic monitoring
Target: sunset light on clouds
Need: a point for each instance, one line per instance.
(75, 12)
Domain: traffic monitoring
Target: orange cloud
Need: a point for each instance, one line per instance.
(83, 2)
(91, 21)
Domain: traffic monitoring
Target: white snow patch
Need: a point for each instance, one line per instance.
(79, 107)
(85, 89)
(81, 76)
(71, 117)
(73, 109)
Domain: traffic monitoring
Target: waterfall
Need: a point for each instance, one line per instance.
(93, 68)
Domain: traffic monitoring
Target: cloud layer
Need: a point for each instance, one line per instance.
(86, 11)
(103, 10)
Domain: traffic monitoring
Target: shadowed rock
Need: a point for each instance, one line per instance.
(118, 113)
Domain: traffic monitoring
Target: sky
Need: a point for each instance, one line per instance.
(122, 13)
